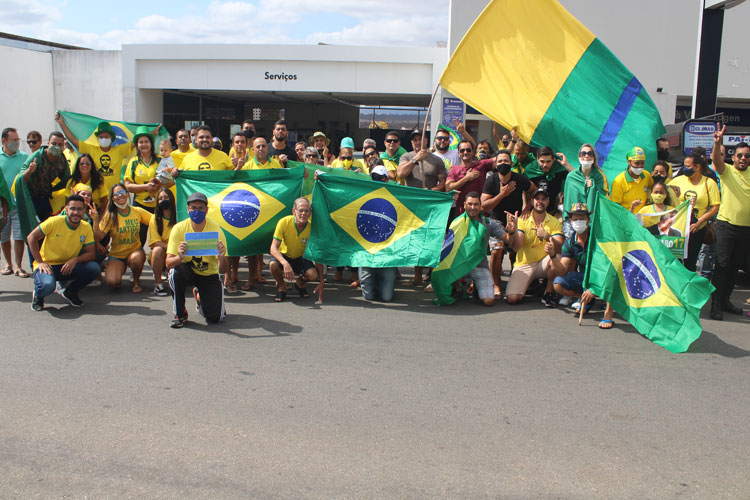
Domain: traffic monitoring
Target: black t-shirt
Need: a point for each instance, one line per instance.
(513, 202)
(553, 188)
(288, 151)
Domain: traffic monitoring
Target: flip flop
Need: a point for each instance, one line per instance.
(412, 283)
(354, 284)
(137, 287)
(302, 291)
(280, 296)
(230, 288)
(21, 273)
(7, 271)
(606, 322)
(260, 279)
(498, 293)
(247, 286)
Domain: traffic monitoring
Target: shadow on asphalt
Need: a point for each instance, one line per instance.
(708, 343)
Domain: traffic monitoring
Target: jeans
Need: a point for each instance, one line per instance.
(706, 258)
(377, 282)
(83, 274)
(731, 249)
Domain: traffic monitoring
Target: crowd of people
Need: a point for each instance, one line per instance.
(100, 208)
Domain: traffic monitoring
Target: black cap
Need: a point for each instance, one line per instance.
(198, 197)
(541, 190)
(418, 132)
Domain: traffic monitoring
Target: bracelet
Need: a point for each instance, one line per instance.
(552, 256)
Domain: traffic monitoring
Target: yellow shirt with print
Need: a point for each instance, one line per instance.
(356, 164)
(62, 242)
(126, 235)
(254, 164)
(109, 163)
(138, 172)
(706, 194)
(154, 235)
(735, 196)
(205, 266)
(293, 241)
(651, 209)
(532, 248)
(625, 190)
(216, 160)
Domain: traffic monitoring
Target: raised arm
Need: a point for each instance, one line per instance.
(68, 134)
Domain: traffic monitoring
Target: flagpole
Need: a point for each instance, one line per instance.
(424, 130)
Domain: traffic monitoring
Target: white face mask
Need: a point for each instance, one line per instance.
(580, 226)
(560, 208)
(586, 165)
(105, 142)
(636, 171)
(121, 206)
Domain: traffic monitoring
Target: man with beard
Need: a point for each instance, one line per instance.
(279, 149)
(205, 157)
(45, 172)
(469, 175)
(548, 173)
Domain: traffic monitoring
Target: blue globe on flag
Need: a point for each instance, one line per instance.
(641, 274)
(240, 208)
(376, 220)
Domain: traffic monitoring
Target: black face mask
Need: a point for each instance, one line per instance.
(662, 154)
(688, 171)
(658, 178)
(164, 205)
(504, 168)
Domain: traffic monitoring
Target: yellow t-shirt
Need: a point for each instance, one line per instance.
(254, 164)
(138, 172)
(153, 232)
(706, 194)
(392, 166)
(651, 209)
(126, 236)
(109, 163)
(178, 156)
(250, 155)
(625, 190)
(735, 196)
(62, 242)
(532, 248)
(216, 160)
(293, 242)
(71, 156)
(356, 164)
(205, 266)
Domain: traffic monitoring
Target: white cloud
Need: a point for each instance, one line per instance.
(22, 13)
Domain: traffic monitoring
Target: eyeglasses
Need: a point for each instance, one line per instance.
(442, 138)
(465, 150)
(391, 140)
(345, 158)
(586, 153)
(742, 155)
(311, 156)
(119, 193)
(371, 153)
(32, 142)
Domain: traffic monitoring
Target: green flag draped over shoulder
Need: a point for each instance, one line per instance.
(5, 194)
(26, 211)
(629, 268)
(463, 249)
(359, 222)
(83, 127)
(246, 204)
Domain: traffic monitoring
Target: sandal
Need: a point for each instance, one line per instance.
(7, 271)
(604, 322)
(498, 293)
(577, 307)
(302, 291)
(260, 279)
(230, 288)
(280, 296)
(137, 287)
(247, 286)
(21, 273)
(354, 284)
(413, 283)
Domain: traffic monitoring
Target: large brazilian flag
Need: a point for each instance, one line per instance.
(547, 75)
(463, 249)
(84, 126)
(360, 222)
(246, 204)
(632, 270)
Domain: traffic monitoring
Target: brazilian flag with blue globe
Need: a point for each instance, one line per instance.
(246, 204)
(643, 281)
(365, 223)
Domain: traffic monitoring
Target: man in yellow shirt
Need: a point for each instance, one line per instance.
(67, 254)
(261, 159)
(205, 157)
(288, 247)
(532, 261)
(630, 188)
(182, 138)
(732, 227)
(202, 272)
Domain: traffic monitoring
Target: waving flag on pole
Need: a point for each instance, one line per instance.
(529, 64)
(83, 127)
(632, 270)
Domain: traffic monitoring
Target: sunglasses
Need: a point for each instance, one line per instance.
(442, 138)
(345, 158)
(742, 155)
(391, 140)
(119, 193)
(32, 142)
(371, 153)
(465, 150)
(311, 156)
(586, 153)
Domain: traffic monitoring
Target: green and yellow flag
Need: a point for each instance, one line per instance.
(359, 222)
(673, 227)
(455, 139)
(309, 182)
(83, 127)
(632, 270)
(554, 81)
(463, 249)
(246, 204)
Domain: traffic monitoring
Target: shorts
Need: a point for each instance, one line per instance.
(12, 224)
(120, 259)
(299, 265)
(521, 277)
(483, 283)
(572, 281)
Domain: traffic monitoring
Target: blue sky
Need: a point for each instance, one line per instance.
(346, 22)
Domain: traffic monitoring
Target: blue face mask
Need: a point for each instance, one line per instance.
(197, 216)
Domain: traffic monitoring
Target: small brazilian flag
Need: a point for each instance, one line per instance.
(84, 126)
(463, 249)
(246, 204)
(454, 136)
(361, 222)
(632, 270)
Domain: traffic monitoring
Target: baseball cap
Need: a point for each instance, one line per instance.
(379, 170)
(637, 154)
(198, 197)
(579, 209)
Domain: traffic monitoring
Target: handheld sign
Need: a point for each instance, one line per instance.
(202, 244)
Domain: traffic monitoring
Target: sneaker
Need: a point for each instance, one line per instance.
(179, 320)
(549, 300)
(37, 304)
(565, 301)
(59, 289)
(72, 298)
(95, 282)
(197, 299)
(161, 290)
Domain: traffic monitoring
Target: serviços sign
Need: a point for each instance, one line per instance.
(279, 76)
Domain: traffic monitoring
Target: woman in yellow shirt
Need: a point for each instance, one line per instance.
(123, 222)
(662, 201)
(140, 176)
(159, 230)
(704, 194)
(84, 172)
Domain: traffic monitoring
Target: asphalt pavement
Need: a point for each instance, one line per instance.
(352, 399)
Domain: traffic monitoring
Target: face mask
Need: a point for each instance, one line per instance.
(658, 178)
(121, 206)
(164, 205)
(55, 150)
(586, 165)
(12, 146)
(688, 171)
(560, 208)
(197, 216)
(580, 226)
(104, 142)
(662, 154)
(503, 168)
(483, 155)
(347, 164)
(636, 171)
(658, 198)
